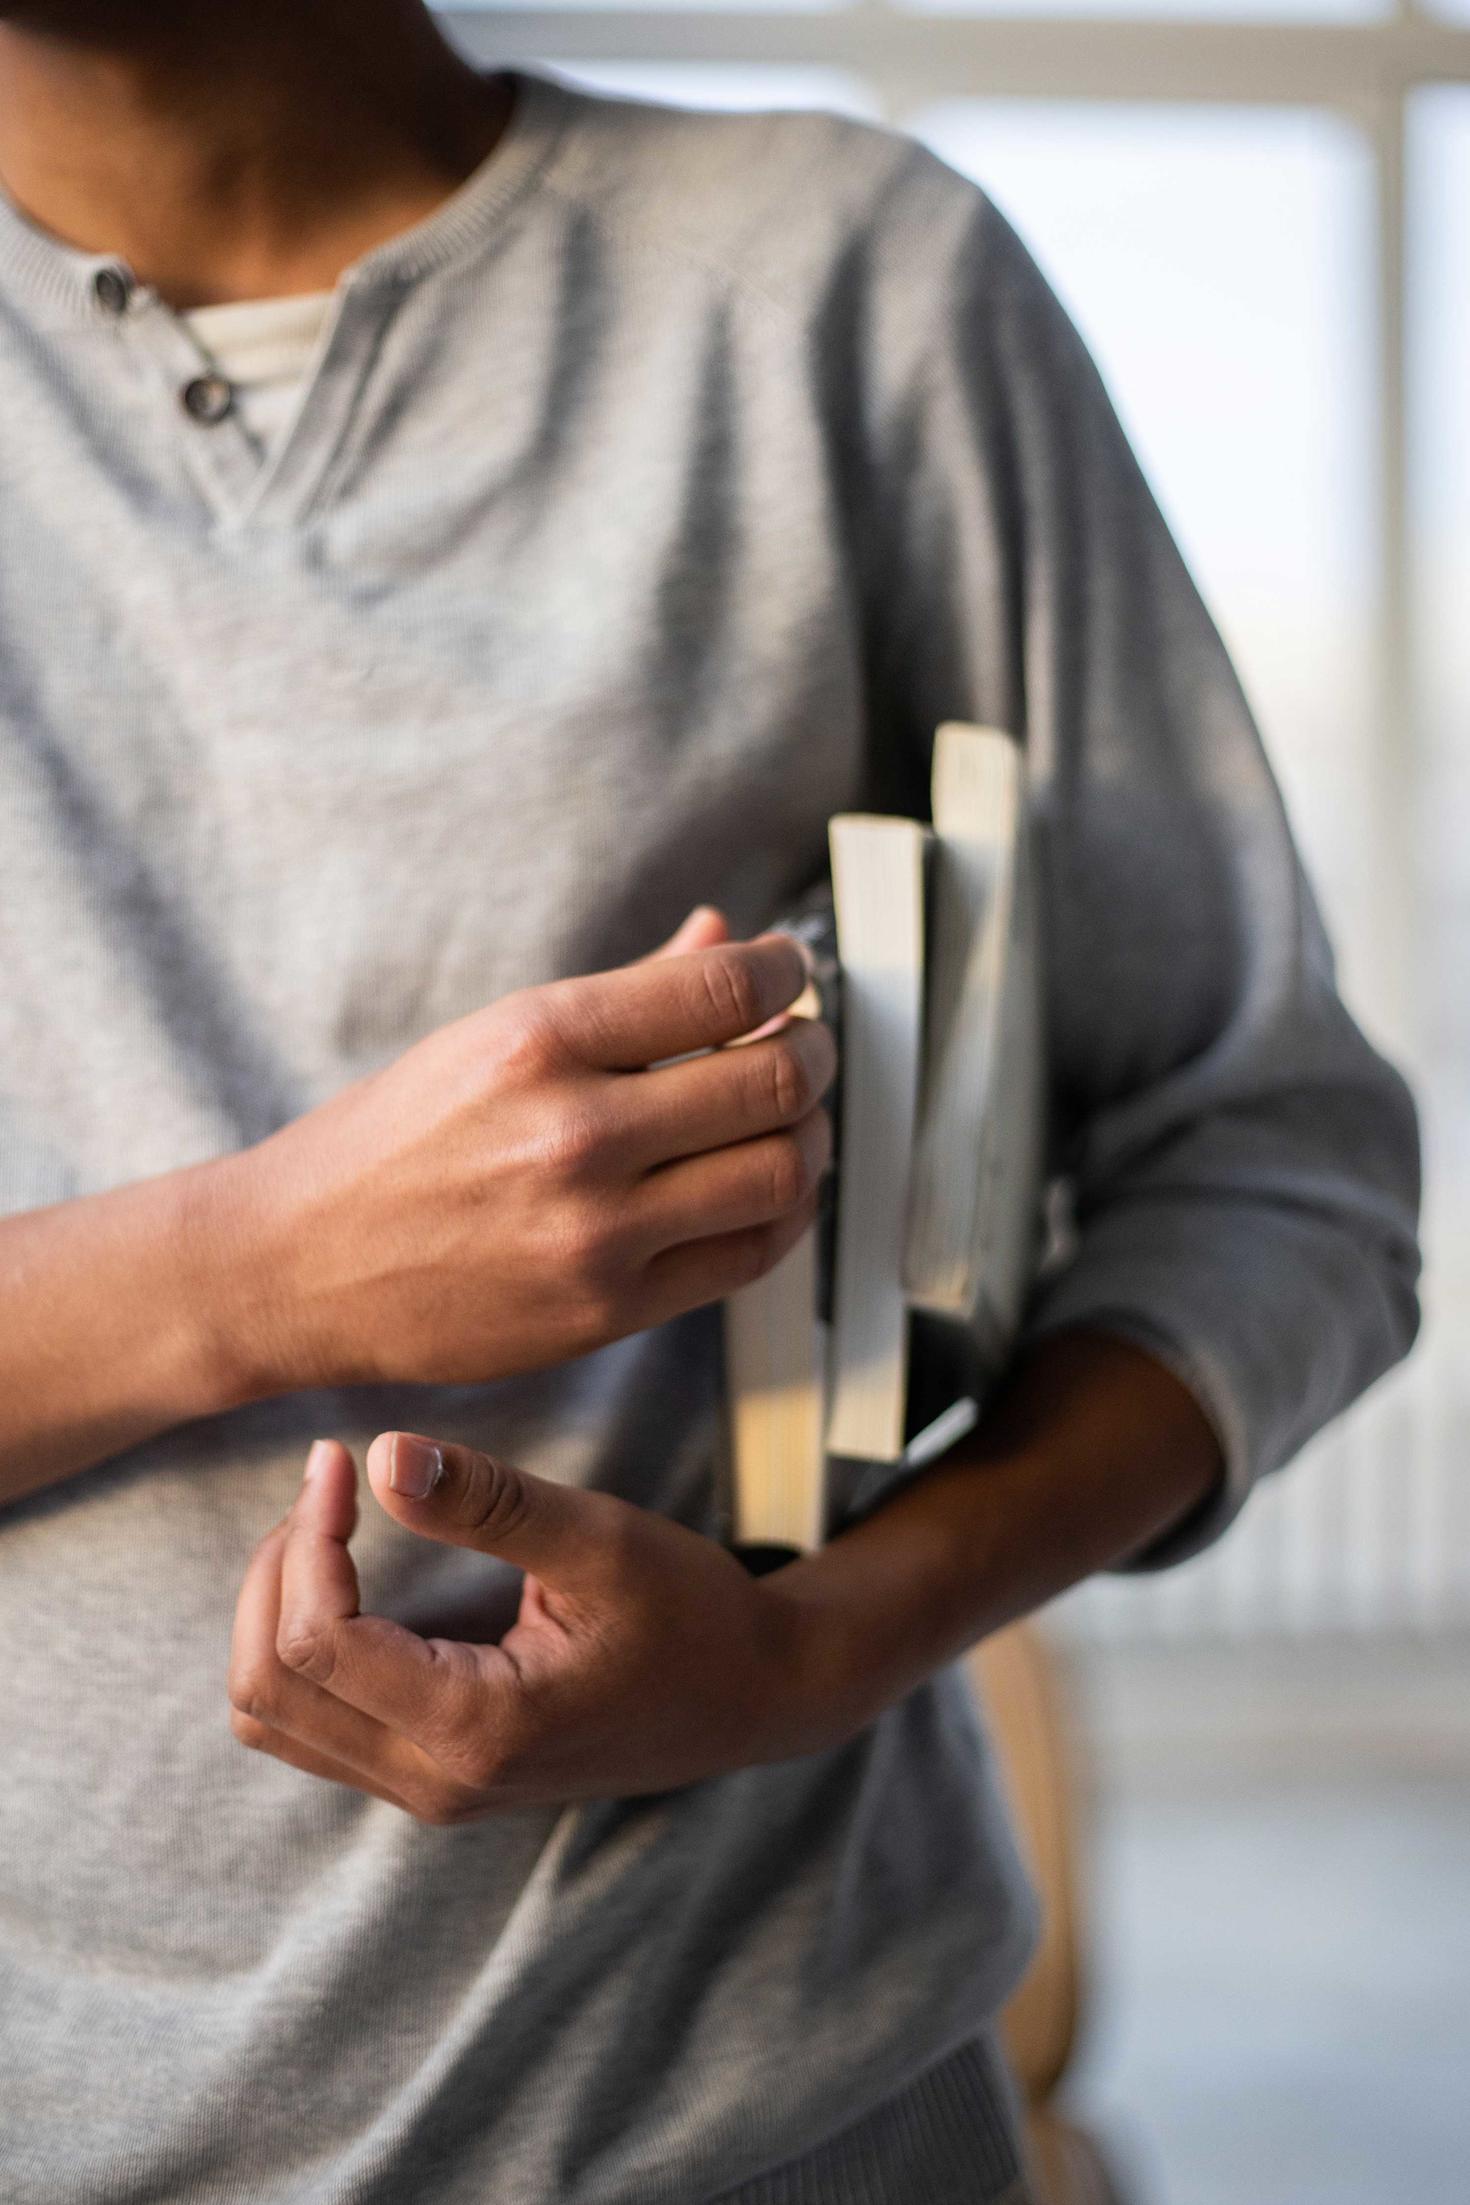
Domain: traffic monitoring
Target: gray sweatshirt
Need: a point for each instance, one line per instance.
(650, 502)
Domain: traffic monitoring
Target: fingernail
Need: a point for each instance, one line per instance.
(316, 1456)
(414, 1467)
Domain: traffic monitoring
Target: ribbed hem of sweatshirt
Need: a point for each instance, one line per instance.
(949, 2139)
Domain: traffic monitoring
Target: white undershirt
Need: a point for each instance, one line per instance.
(264, 348)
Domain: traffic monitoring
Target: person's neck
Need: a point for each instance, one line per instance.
(237, 152)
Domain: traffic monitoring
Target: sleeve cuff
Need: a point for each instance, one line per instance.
(1273, 1317)
(1205, 1522)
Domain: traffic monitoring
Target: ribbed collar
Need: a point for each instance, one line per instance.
(62, 280)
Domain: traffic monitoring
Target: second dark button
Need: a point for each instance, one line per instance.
(208, 398)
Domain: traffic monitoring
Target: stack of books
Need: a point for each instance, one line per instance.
(869, 1349)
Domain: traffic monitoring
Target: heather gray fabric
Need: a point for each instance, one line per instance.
(652, 501)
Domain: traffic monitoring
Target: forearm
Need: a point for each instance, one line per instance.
(1092, 1450)
(121, 1315)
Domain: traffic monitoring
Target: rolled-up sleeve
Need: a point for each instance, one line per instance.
(1243, 1166)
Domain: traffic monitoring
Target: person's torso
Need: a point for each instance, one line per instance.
(536, 629)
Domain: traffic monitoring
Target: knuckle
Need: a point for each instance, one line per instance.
(583, 1261)
(249, 1730)
(791, 1089)
(570, 1139)
(443, 1807)
(481, 1763)
(578, 1258)
(749, 1256)
(308, 1650)
(588, 1250)
(732, 988)
(786, 1173)
(452, 1806)
(253, 1695)
(493, 1501)
(527, 1038)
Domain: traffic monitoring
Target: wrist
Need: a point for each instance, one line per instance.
(837, 1675)
(898, 1594)
(1090, 1451)
(245, 1344)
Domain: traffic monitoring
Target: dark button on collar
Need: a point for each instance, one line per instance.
(208, 398)
(112, 288)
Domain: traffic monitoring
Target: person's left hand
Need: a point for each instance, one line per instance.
(643, 1657)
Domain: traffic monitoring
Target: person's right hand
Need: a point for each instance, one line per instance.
(520, 1187)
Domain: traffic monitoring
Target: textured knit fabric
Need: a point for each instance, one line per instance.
(652, 501)
(265, 349)
(958, 2117)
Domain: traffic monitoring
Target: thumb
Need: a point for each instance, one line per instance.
(701, 930)
(463, 1499)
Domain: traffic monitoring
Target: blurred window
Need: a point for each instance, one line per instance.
(1219, 263)
(1439, 148)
